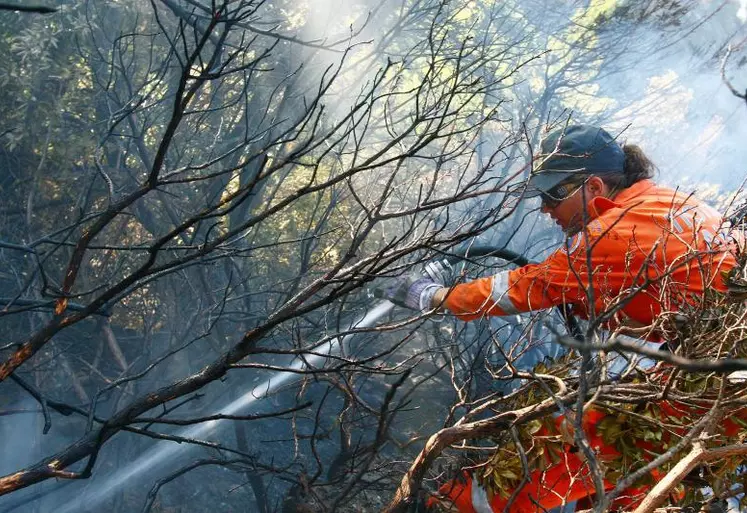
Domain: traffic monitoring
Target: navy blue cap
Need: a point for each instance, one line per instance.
(571, 151)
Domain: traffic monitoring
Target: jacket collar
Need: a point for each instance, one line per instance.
(600, 204)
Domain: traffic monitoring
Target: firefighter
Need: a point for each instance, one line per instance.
(634, 251)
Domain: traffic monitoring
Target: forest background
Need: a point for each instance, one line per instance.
(195, 195)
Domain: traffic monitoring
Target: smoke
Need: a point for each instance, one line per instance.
(686, 118)
(20, 426)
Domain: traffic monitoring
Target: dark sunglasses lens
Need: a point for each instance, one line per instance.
(559, 193)
(549, 201)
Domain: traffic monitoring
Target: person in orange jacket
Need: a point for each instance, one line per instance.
(634, 250)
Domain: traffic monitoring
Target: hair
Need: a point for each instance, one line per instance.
(637, 167)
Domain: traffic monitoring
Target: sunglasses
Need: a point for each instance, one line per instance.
(561, 192)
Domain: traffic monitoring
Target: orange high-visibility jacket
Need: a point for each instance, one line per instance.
(648, 250)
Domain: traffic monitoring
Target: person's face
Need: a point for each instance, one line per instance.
(568, 213)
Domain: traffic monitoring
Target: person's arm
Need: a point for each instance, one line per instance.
(561, 278)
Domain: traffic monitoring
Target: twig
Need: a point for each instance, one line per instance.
(733, 89)
(630, 479)
(176, 406)
(210, 418)
(40, 399)
(408, 488)
(525, 478)
(716, 365)
(698, 455)
(151, 497)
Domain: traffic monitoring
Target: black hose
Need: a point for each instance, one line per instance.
(488, 251)
(483, 251)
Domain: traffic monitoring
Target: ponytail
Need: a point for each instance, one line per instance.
(637, 167)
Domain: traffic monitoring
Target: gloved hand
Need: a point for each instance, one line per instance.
(416, 290)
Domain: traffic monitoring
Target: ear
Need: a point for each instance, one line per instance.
(595, 186)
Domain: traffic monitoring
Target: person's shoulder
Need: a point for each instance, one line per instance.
(647, 196)
(681, 201)
(643, 190)
(664, 194)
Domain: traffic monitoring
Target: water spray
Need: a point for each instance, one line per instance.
(165, 450)
(320, 354)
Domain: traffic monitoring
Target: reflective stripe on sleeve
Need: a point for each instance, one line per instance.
(499, 293)
(480, 502)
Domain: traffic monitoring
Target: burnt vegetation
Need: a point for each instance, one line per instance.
(197, 198)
